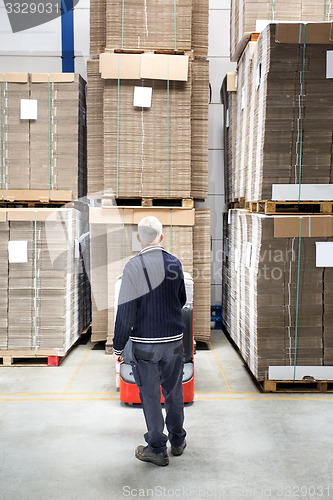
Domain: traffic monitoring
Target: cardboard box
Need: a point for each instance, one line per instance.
(280, 285)
(47, 291)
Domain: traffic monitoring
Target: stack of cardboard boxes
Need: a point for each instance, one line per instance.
(250, 17)
(148, 92)
(45, 290)
(278, 133)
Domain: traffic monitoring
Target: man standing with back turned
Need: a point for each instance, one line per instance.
(151, 298)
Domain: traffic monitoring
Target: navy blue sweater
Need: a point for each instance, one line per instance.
(151, 298)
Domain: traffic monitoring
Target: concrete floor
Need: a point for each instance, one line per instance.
(65, 436)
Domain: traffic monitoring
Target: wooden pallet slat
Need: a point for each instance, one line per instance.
(187, 203)
(294, 207)
(307, 385)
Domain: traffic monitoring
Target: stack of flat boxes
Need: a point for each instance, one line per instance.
(246, 14)
(45, 299)
(158, 152)
(278, 130)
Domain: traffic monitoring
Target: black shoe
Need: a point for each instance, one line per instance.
(178, 451)
(146, 455)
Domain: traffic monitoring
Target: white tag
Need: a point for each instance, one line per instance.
(229, 216)
(227, 118)
(249, 255)
(136, 245)
(243, 103)
(324, 254)
(17, 252)
(329, 64)
(261, 24)
(28, 109)
(142, 97)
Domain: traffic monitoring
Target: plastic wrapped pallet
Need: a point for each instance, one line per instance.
(114, 242)
(149, 145)
(284, 115)
(261, 265)
(153, 24)
(244, 15)
(43, 135)
(43, 281)
(168, 157)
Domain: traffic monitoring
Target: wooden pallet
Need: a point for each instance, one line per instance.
(149, 202)
(239, 203)
(34, 198)
(31, 358)
(294, 207)
(308, 385)
(151, 51)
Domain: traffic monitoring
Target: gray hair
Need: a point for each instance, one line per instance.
(150, 230)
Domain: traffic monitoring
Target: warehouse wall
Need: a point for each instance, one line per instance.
(39, 49)
(218, 54)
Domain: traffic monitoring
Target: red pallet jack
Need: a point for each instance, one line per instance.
(129, 392)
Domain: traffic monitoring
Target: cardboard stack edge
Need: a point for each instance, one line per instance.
(277, 264)
(45, 302)
(276, 293)
(44, 229)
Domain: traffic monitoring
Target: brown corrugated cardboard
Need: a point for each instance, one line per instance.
(311, 226)
(14, 77)
(164, 67)
(52, 77)
(231, 82)
(137, 66)
(123, 66)
(133, 215)
(315, 33)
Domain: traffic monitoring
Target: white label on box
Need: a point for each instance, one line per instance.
(243, 104)
(329, 64)
(324, 254)
(227, 118)
(136, 245)
(249, 255)
(261, 25)
(287, 372)
(17, 252)
(142, 97)
(291, 192)
(28, 109)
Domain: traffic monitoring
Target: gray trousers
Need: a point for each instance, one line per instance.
(154, 365)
